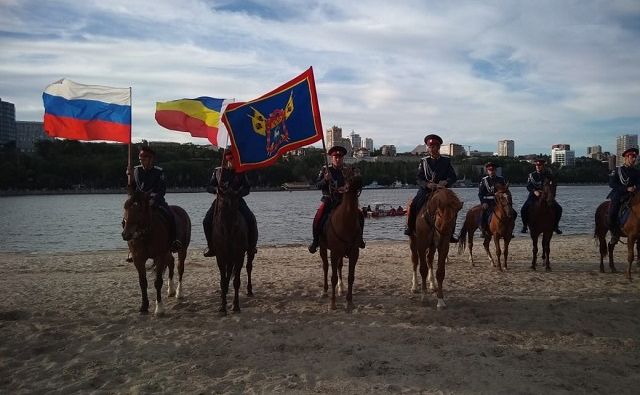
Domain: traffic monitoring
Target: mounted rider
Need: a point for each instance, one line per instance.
(435, 171)
(226, 177)
(624, 181)
(486, 194)
(535, 183)
(331, 181)
(150, 179)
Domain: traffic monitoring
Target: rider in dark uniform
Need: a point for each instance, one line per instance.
(227, 177)
(150, 179)
(624, 181)
(486, 193)
(331, 181)
(535, 182)
(434, 171)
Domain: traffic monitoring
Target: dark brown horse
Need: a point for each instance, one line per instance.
(146, 231)
(500, 227)
(434, 226)
(341, 235)
(542, 214)
(630, 229)
(231, 241)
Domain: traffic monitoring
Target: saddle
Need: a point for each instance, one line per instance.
(623, 214)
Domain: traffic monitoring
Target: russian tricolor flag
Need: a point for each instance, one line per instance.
(87, 112)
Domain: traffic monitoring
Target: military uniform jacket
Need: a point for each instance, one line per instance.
(535, 181)
(622, 178)
(435, 170)
(229, 178)
(337, 182)
(486, 190)
(150, 181)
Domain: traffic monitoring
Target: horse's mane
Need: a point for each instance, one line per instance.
(443, 198)
(135, 197)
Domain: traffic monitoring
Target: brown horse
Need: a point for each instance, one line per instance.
(434, 226)
(341, 235)
(630, 229)
(500, 227)
(231, 240)
(542, 222)
(146, 231)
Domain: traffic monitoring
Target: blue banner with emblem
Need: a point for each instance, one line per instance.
(282, 120)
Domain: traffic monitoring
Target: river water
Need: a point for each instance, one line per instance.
(92, 222)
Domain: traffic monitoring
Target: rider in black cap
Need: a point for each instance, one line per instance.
(150, 179)
(330, 180)
(435, 171)
(486, 193)
(535, 182)
(624, 181)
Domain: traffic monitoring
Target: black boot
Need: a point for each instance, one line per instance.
(313, 247)
(524, 228)
(557, 230)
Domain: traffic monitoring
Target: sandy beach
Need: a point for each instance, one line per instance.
(69, 324)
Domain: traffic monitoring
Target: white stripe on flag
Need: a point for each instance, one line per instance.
(72, 90)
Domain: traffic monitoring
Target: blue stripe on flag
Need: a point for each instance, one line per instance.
(86, 109)
(211, 103)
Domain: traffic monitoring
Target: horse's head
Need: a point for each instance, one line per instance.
(137, 215)
(549, 189)
(504, 199)
(228, 199)
(352, 179)
(444, 204)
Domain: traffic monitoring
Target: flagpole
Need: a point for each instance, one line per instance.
(232, 100)
(129, 168)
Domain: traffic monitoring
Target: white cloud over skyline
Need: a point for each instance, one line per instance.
(540, 73)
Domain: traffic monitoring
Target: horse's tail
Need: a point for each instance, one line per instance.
(462, 239)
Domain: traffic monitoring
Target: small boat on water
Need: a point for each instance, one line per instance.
(379, 210)
(297, 186)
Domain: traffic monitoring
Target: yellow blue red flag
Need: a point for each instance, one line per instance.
(282, 120)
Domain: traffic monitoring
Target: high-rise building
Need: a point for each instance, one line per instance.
(27, 133)
(368, 144)
(356, 140)
(452, 149)
(561, 153)
(7, 122)
(594, 152)
(624, 142)
(388, 150)
(333, 135)
(506, 148)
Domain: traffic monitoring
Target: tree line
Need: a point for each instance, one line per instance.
(69, 164)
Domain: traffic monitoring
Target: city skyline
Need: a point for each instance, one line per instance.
(473, 73)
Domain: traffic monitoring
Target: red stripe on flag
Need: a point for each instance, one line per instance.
(178, 120)
(77, 129)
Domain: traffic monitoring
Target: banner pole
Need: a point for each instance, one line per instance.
(129, 167)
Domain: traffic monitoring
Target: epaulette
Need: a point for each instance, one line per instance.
(157, 167)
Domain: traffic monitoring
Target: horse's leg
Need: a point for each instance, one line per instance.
(161, 263)
(631, 241)
(546, 248)
(507, 240)
(182, 254)
(237, 271)
(171, 291)
(485, 244)
(414, 262)
(443, 251)
(423, 255)
(224, 284)
(429, 271)
(250, 256)
(325, 270)
(611, 246)
(534, 249)
(335, 258)
(142, 280)
(340, 290)
(496, 239)
(602, 244)
(470, 244)
(353, 260)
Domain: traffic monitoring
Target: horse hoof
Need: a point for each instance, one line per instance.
(548, 269)
(171, 294)
(350, 307)
(236, 310)
(415, 290)
(250, 293)
(324, 295)
(441, 304)
(333, 306)
(533, 268)
(144, 311)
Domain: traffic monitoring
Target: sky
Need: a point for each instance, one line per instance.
(536, 72)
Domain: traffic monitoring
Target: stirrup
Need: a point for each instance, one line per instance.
(558, 231)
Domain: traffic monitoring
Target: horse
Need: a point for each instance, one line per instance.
(542, 216)
(500, 226)
(146, 231)
(434, 226)
(232, 240)
(341, 235)
(631, 229)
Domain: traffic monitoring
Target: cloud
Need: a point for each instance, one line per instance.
(536, 72)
